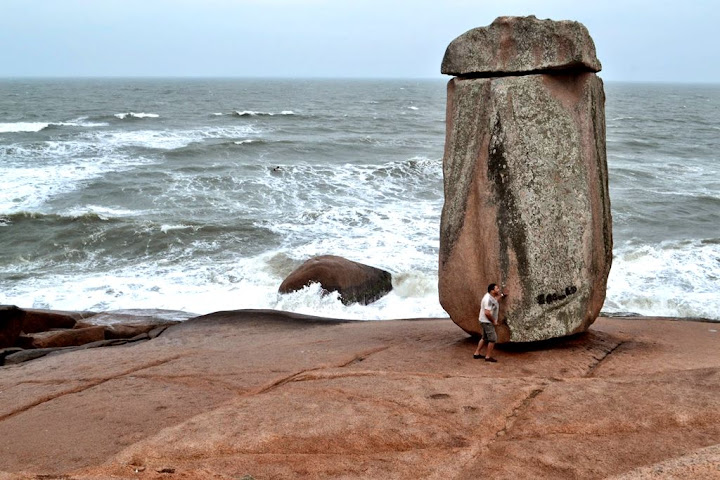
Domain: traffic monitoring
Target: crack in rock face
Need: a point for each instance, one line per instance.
(525, 179)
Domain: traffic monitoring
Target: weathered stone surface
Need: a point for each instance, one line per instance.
(355, 282)
(526, 203)
(67, 338)
(513, 45)
(132, 330)
(277, 395)
(4, 352)
(22, 356)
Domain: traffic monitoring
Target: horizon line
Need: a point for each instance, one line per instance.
(316, 78)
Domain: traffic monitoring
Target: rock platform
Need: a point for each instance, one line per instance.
(264, 394)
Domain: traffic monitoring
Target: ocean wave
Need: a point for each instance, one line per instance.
(32, 127)
(104, 213)
(672, 278)
(168, 228)
(168, 139)
(133, 115)
(20, 217)
(251, 113)
(20, 127)
(29, 187)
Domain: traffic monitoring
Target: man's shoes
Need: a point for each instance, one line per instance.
(490, 359)
(477, 357)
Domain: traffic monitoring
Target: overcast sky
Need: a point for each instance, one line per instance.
(636, 40)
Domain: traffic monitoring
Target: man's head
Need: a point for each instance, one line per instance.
(491, 287)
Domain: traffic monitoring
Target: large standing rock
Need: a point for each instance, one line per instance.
(355, 282)
(525, 173)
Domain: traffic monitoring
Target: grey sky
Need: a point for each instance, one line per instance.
(636, 40)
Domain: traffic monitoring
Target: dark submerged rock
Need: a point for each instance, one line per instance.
(355, 282)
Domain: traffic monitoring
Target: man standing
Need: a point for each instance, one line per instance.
(488, 319)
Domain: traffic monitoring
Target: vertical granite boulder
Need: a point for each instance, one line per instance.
(525, 179)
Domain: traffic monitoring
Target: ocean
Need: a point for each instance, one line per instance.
(200, 195)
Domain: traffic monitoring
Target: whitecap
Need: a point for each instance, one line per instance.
(165, 139)
(123, 116)
(104, 213)
(413, 108)
(168, 228)
(18, 127)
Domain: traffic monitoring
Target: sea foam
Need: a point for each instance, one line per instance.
(673, 278)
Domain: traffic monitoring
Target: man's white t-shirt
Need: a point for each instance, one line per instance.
(488, 303)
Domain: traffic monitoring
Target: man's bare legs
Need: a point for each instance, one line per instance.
(481, 343)
(488, 354)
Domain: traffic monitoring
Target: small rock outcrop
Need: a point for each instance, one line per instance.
(355, 282)
(63, 338)
(27, 334)
(42, 320)
(525, 178)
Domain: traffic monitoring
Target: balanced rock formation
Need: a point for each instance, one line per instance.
(525, 178)
(355, 282)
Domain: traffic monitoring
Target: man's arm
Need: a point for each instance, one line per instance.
(488, 314)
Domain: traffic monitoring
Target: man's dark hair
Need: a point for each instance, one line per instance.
(491, 287)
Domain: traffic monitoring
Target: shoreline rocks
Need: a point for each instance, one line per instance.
(27, 334)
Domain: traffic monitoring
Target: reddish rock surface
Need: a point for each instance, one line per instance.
(355, 282)
(277, 395)
(65, 338)
(43, 320)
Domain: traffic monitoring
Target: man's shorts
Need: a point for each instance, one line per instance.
(489, 332)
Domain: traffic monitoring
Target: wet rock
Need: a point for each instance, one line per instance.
(4, 352)
(355, 282)
(66, 338)
(133, 330)
(43, 320)
(32, 354)
(10, 325)
(526, 197)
